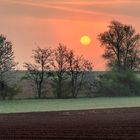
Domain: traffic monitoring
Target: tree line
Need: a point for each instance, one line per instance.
(60, 66)
(66, 71)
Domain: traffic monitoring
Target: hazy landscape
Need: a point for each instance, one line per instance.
(69, 69)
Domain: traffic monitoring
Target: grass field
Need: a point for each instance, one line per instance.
(36, 105)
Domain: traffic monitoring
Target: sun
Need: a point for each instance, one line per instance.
(85, 40)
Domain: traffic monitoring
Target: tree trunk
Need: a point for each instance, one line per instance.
(73, 87)
(59, 88)
(39, 90)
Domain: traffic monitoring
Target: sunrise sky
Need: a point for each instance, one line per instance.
(45, 23)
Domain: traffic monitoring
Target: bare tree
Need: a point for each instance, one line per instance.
(122, 46)
(40, 70)
(60, 68)
(77, 68)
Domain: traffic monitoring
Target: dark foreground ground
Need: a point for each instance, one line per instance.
(117, 124)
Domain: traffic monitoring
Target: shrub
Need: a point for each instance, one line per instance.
(6, 91)
(119, 84)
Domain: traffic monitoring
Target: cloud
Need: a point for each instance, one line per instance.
(66, 9)
(124, 8)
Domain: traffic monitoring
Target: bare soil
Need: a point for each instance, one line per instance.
(99, 124)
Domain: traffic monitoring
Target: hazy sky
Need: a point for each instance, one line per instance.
(45, 23)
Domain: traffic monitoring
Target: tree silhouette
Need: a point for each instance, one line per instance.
(7, 63)
(39, 71)
(122, 46)
(77, 68)
(60, 68)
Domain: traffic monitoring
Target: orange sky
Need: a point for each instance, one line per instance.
(28, 23)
